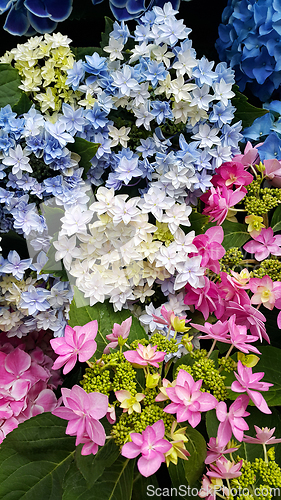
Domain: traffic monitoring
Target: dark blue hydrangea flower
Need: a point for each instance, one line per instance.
(26, 17)
(124, 10)
(250, 42)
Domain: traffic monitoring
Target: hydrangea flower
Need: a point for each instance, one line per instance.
(249, 42)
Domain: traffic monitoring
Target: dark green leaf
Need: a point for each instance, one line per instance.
(116, 483)
(212, 423)
(197, 221)
(196, 446)
(108, 29)
(92, 466)
(9, 85)
(23, 105)
(276, 219)
(86, 150)
(106, 317)
(269, 363)
(244, 110)
(34, 459)
(81, 52)
(235, 234)
(144, 487)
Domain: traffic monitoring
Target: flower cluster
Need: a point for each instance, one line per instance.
(27, 379)
(30, 301)
(249, 40)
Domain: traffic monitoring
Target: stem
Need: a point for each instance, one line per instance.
(229, 351)
(265, 220)
(228, 484)
(265, 453)
(167, 336)
(212, 348)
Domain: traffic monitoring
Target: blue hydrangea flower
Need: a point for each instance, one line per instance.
(250, 42)
(25, 17)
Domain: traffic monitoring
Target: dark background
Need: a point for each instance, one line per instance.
(86, 23)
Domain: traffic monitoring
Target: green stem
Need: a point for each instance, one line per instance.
(212, 348)
(229, 351)
(265, 453)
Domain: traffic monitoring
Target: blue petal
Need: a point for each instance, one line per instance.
(37, 8)
(119, 4)
(17, 22)
(5, 5)
(135, 6)
(96, 2)
(41, 24)
(120, 14)
(161, 3)
(59, 10)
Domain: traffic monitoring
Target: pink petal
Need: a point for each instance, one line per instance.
(17, 361)
(87, 350)
(149, 467)
(130, 450)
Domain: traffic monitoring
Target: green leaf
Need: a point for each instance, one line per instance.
(196, 446)
(235, 234)
(116, 483)
(34, 459)
(23, 105)
(81, 52)
(9, 85)
(276, 219)
(269, 363)
(144, 487)
(86, 150)
(108, 29)
(92, 466)
(244, 110)
(197, 221)
(212, 423)
(106, 317)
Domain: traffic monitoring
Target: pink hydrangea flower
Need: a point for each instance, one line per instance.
(84, 412)
(187, 400)
(152, 446)
(232, 421)
(239, 337)
(249, 382)
(217, 331)
(232, 173)
(250, 155)
(265, 291)
(144, 356)
(77, 342)
(249, 316)
(209, 245)
(263, 436)
(273, 171)
(215, 450)
(206, 299)
(224, 469)
(122, 330)
(219, 200)
(264, 244)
